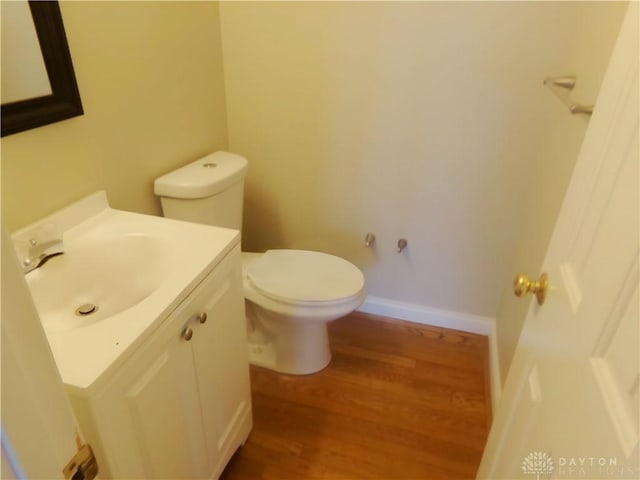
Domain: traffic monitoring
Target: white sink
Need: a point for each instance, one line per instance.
(124, 270)
(98, 276)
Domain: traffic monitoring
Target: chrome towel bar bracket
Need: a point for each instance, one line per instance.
(561, 87)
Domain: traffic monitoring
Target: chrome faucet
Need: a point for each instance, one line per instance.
(40, 253)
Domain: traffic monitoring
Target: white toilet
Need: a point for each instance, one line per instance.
(290, 295)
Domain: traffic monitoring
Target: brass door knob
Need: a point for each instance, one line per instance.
(202, 317)
(523, 285)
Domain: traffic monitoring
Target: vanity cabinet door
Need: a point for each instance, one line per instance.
(149, 415)
(165, 418)
(222, 366)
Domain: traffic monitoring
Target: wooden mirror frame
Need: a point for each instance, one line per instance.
(64, 101)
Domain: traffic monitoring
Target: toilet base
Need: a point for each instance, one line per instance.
(264, 355)
(285, 345)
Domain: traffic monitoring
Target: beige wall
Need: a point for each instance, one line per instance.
(150, 77)
(423, 120)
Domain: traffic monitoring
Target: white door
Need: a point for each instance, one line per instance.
(39, 430)
(570, 404)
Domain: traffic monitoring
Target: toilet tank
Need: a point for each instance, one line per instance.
(209, 190)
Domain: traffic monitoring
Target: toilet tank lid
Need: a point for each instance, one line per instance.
(203, 178)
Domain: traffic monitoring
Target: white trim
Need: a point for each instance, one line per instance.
(447, 319)
(494, 367)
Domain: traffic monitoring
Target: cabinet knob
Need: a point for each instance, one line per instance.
(187, 334)
(202, 317)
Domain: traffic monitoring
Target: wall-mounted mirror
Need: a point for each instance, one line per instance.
(30, 99)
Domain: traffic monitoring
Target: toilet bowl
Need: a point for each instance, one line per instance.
(290, 295)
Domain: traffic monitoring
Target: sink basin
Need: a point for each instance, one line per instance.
(120, 276)
(98, 277)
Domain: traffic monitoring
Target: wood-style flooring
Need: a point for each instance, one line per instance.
(398, 401)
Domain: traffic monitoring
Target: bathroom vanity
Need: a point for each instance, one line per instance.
(180, 405)
(160, 382)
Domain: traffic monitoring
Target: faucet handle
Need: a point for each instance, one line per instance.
(37, 253)
(28, 260)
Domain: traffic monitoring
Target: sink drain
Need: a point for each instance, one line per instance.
(86, 309)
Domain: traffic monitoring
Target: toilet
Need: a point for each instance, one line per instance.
(290, 295)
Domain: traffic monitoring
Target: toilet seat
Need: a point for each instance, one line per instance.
(305, 277)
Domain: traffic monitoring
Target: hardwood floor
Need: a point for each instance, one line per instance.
(398, 401)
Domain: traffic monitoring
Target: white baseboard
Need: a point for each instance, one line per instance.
(446, 319)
